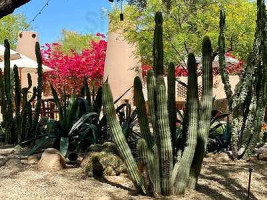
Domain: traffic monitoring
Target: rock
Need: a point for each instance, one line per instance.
(18, 148)
(262, 156)
(51, 160)
(33, 159)
(112, 164)
(7, 151)
(103, 198)
(3, 160)
(13, 163)
(261, 150)
(222, 157)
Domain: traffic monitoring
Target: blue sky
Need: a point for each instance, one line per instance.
(83, 16)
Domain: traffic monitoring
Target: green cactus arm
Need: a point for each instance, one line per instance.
(2, 91)
(29, 79)
(149, 157)
(254, 60)
(87, 91)
(152, 104)
(34, 93)
(98, 100)
(172, 103)
(8, 116)
(205, 109)
(181, 179)
(222, 63)
(166, 154)
(141, 112)
(120, 140)
(17, 102)
(260, 80)
(158, 45)
(57, 102)
(39, 87)
(7, 72)
(17, 89)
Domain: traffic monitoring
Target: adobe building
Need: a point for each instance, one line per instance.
(121, 65)
(26, 46)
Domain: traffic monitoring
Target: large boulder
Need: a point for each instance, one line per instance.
(51, 160)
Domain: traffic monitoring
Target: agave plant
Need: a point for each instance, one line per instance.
(219, 133)
(77, 124)
(81, 122)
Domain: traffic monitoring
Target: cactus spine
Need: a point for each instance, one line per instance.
(120, 140)
(205, 109)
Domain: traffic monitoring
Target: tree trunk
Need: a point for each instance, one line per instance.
(8, 6)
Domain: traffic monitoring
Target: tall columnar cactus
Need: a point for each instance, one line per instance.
(172, 103)
(156, 148)
(165, 145)
(189, 150)
(141, 112)
(17, 127)
(158, 45)
(39, 87)
(8, 107)
(205, 109)
(223, 71)
(247, 102)
(17, 102)
(120, 140)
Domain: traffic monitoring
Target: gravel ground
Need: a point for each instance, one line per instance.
(218, 181)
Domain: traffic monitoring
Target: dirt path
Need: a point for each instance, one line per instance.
(218, 181)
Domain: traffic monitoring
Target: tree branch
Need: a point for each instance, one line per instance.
(8, 6)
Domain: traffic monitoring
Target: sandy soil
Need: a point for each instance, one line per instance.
(218, 181)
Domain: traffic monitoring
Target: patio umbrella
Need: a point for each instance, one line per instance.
(13, 54)
(24, 63)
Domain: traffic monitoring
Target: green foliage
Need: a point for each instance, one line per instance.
(185, 23)
(10, 26)
(74, 41)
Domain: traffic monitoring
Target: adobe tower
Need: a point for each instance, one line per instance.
(26, 43)
(26, 47)
(121, 65)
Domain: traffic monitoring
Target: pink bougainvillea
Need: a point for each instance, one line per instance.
(232, 69)
(69, 69)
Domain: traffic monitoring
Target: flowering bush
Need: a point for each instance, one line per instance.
(69, 69)
(232, 69)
